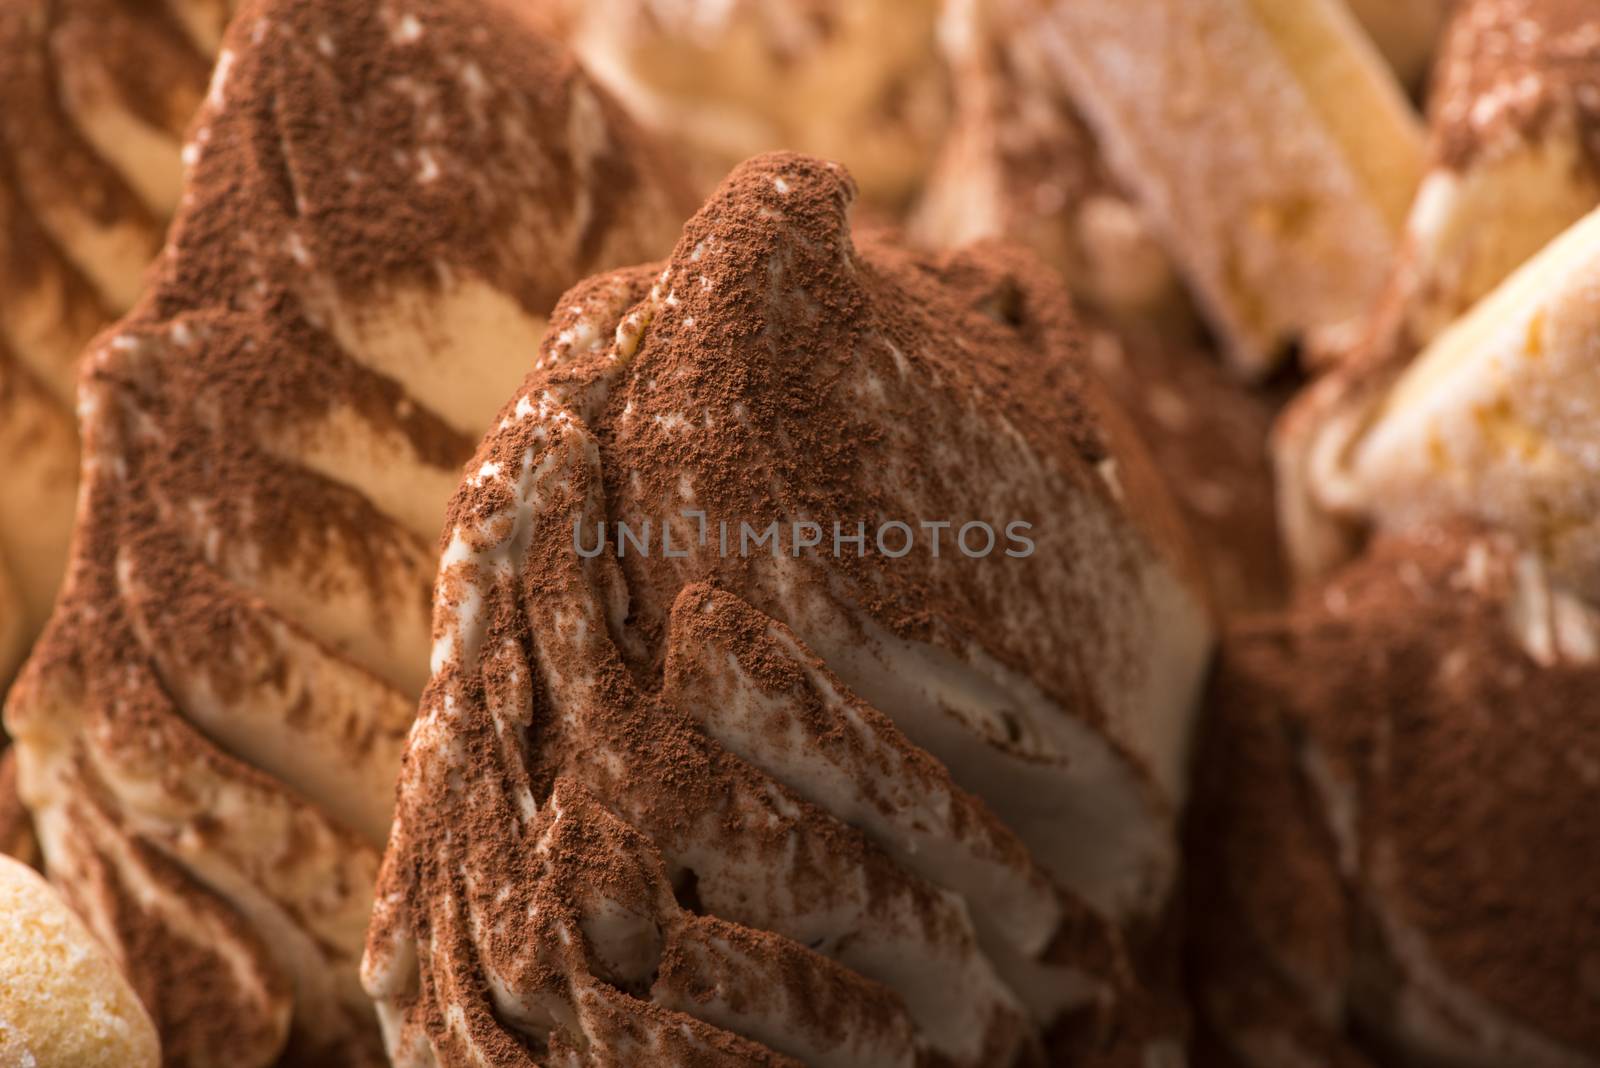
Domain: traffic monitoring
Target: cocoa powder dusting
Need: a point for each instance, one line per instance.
(143, 57)
(774, 369)
(348, 154)
(1438, 774)
(448, 103)
(177, 981)
(1508, 68)
(49, 156)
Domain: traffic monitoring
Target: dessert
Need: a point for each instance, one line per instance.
(1265, 143)
(1393, 835)
(1019, 162)
(707, 799)
(1490, 416)
(1495, 420)
(94, 97)
(381, 204)
(859, 81)
(63, 1003)
(1514, 132)
(1208, 436)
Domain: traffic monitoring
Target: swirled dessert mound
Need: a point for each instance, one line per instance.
(382, 202)
(814, 655)
(1473, 392)
(1394, 850)
(854, 80)
(94, 97)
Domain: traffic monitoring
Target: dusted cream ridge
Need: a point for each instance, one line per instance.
(744, 808)
(89, 173)
(380, 203)
(746, 779)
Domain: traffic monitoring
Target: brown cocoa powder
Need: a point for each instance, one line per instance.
(1506, 68)
(304, 163)
(754, 335)
(1469, 765)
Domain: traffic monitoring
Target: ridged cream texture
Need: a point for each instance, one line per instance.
(209, 734)
(88, 178)
(843, 858)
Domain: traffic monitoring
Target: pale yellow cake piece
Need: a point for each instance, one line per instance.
(1472, 387)
(1497, 419)
(1514, 113)
(63, 1001)
(1266, 141)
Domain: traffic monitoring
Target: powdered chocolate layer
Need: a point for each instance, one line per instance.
(381, 203)
(671, 803)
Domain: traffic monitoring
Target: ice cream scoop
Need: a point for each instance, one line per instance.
(746, 743)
